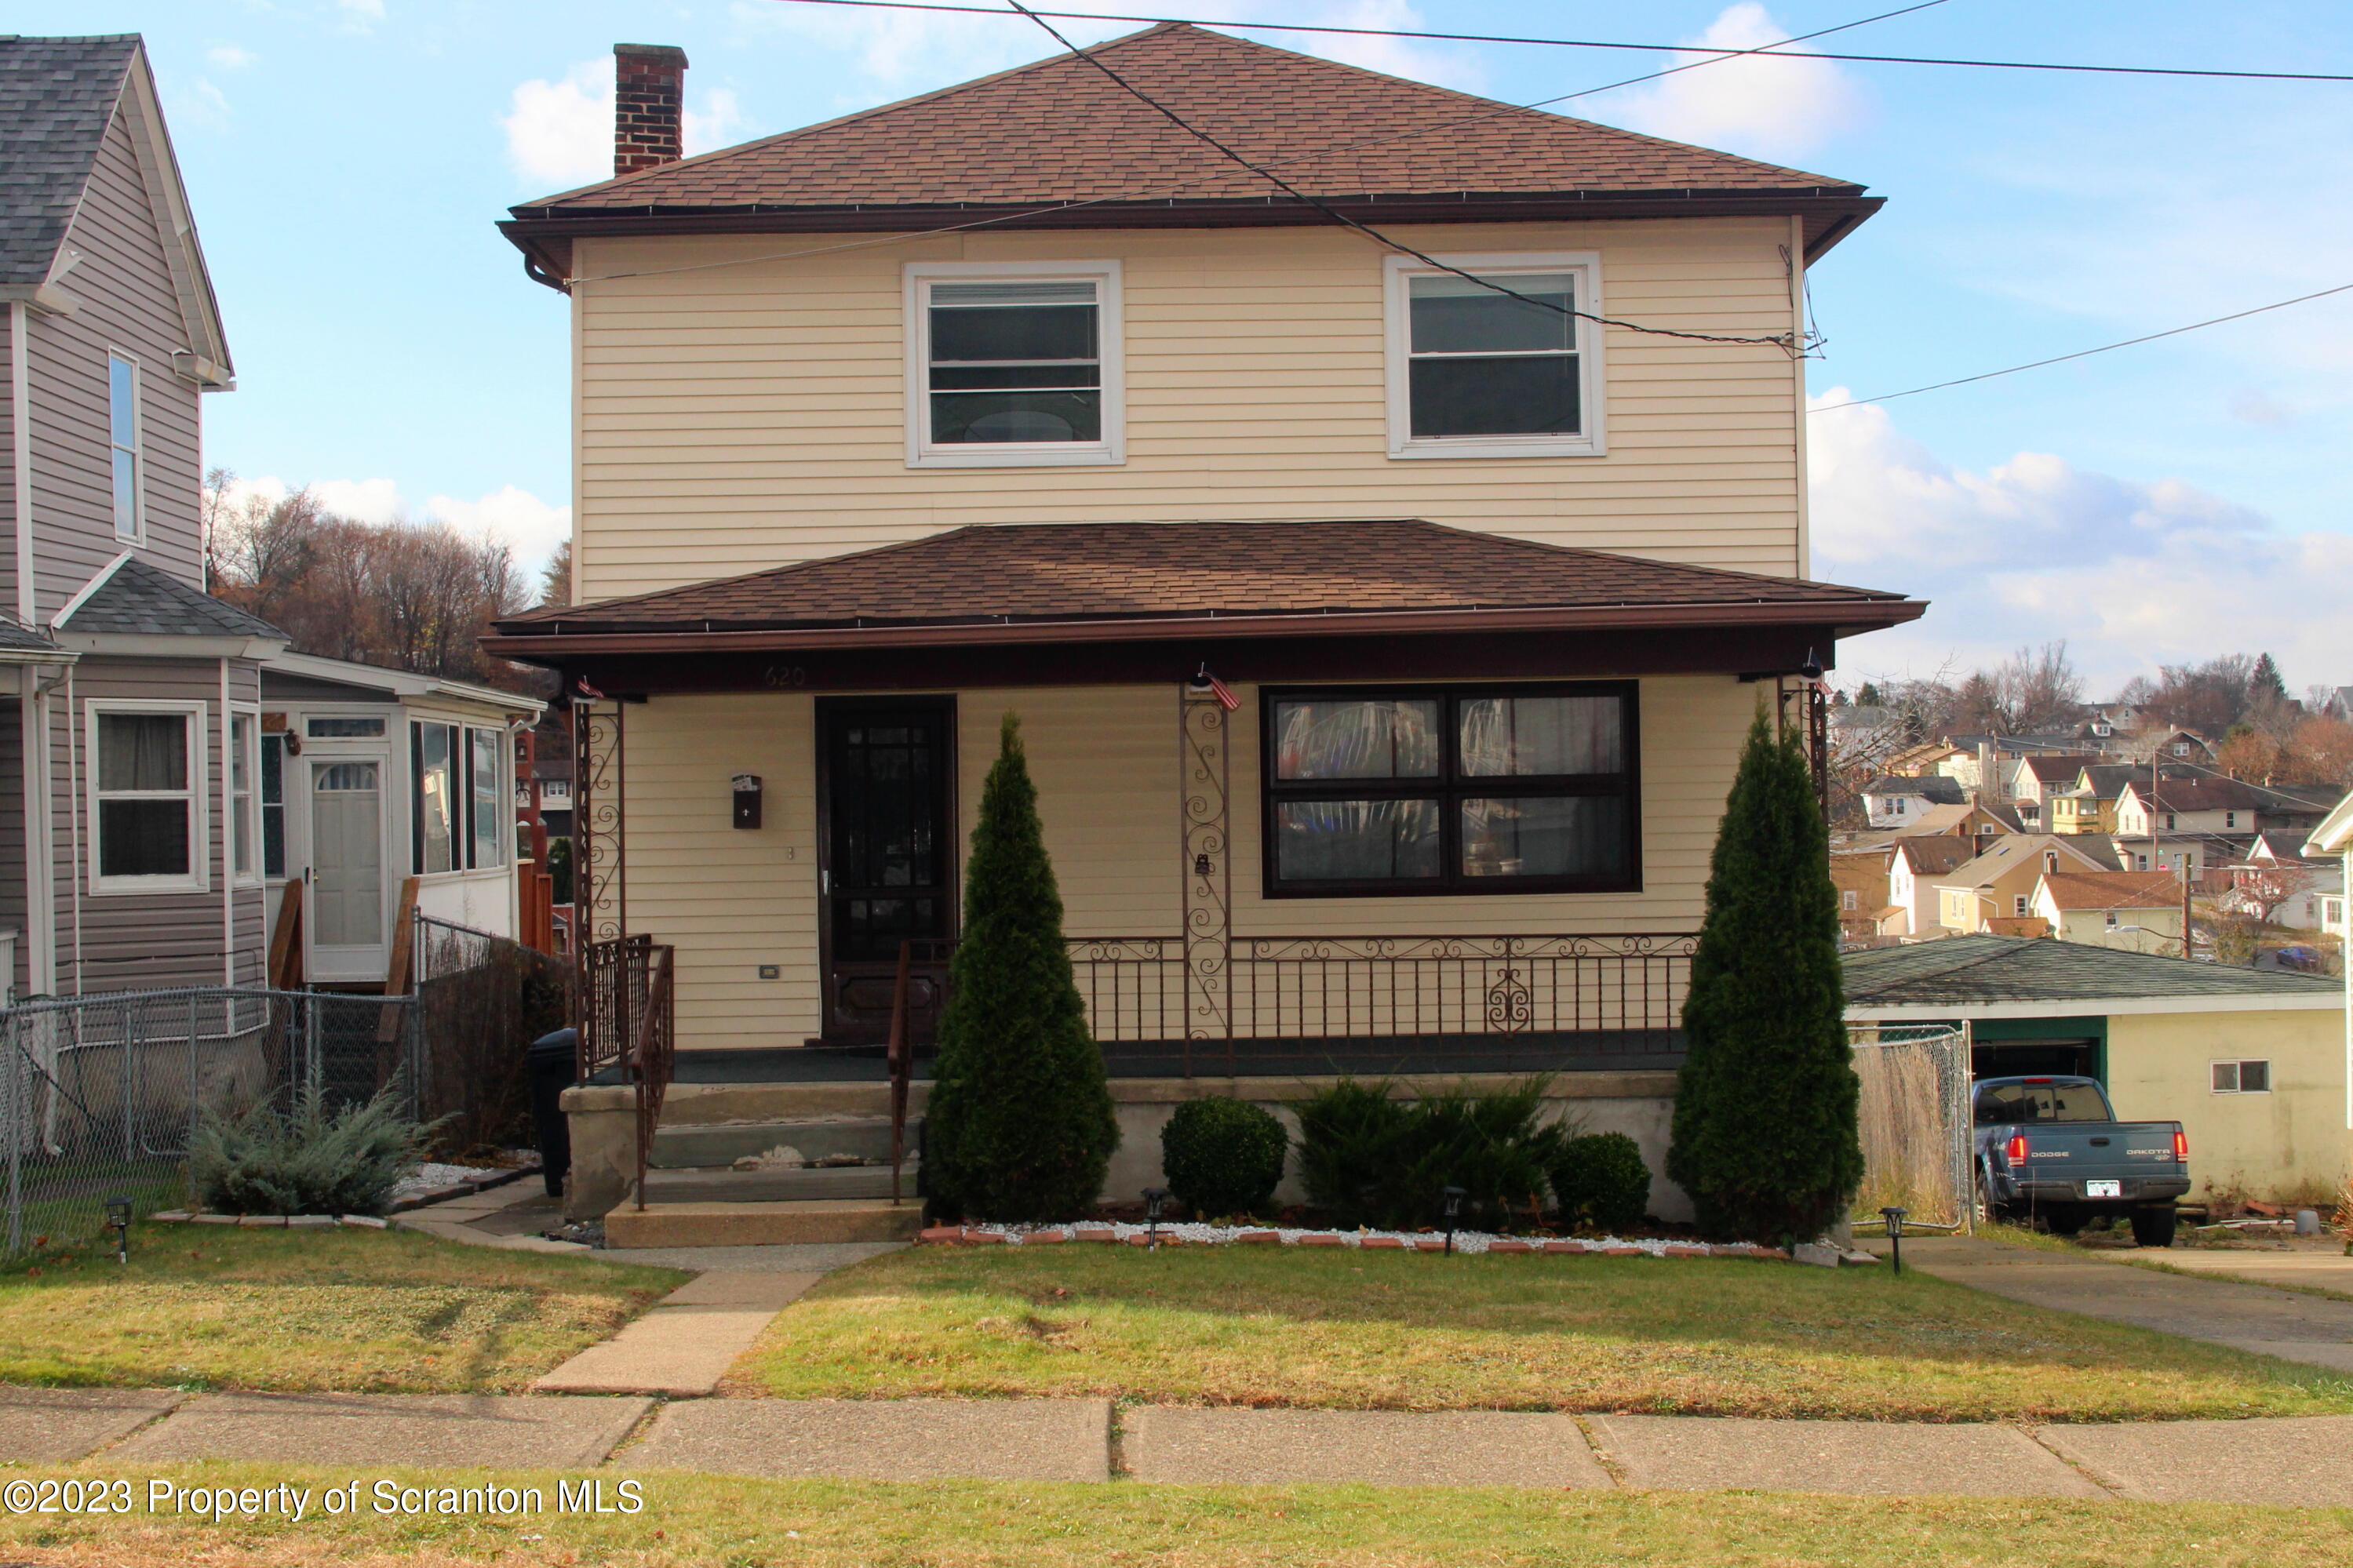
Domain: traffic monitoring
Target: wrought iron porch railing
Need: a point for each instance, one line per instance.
(1201, 999)
(628, 1027)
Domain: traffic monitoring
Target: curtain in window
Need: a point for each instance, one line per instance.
(1378, 739)
(141, 752)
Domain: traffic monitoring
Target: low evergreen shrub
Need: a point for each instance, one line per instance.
(303, 1160)
(1599, 1181)
(1223, 1156)
(1374, 1160)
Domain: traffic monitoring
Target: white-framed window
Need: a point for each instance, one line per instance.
(148, 822)
(2017, 904)
(2243, 1077)
(123, 449)
(433, 811)
(2112, 917)
(1014, 364)
(1848, 900)
(1474, 371)
(484, 807)
(2230, 819)
(273, 804)
(245, 852)
(344, 727)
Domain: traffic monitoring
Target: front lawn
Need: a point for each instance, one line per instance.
(709, 1521)
(358, 1310)
(1415, 1332)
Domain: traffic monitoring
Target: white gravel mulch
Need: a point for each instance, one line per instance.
(1191, 1233)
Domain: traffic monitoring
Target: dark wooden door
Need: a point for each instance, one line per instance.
(889, 868)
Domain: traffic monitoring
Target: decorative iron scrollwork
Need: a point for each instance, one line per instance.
(600, 880)
(1206, 841)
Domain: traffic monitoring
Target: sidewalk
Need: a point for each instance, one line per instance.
(2291, 1325)
(2295, 1462)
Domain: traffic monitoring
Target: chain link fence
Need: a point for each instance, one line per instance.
(101, 1095)
(480, 1000)
(1915, 1122)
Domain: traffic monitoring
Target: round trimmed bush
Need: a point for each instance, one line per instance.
(1601, 1181)
(1223, 1156)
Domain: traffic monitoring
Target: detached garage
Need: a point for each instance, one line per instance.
(2250, 1062)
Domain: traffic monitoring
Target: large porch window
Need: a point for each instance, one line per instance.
(1460, 790)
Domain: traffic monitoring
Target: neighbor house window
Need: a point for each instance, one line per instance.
(2243, 1077)
(433, 815)
(273, 805)
(484, 803)
(1013, 365)
(122, 437)
(2018, 905)
(2112, 917)
(244, 825)
(1515, 789)
(1848, 902)
(148, 798)
(1497, 360)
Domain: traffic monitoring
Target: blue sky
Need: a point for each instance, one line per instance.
(347, 159)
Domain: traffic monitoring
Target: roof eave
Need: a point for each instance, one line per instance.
(529, 643)
(544, 234)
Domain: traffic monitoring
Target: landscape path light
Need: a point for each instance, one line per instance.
(1453, 1209)
(1894, 1218)
(1154, 1199)
(118, 1215)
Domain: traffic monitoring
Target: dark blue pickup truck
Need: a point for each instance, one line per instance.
(2051, 1148)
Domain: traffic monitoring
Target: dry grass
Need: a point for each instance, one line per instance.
(360, 1311)
(1404, 1330)
(712, 1522)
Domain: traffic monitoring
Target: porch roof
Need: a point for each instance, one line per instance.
(1139, 582)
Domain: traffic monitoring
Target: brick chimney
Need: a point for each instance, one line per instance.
(649, 100)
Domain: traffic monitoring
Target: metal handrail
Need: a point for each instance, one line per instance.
(653, 1054)
(900, 1054)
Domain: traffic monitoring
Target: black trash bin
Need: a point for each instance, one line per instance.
(552, 1061)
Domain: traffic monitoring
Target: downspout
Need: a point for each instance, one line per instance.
(20, 435)
(227, 837)
(40, 841)
(73, 814)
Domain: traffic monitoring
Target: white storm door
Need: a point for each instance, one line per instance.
(347, 935)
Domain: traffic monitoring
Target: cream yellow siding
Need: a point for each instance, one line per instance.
(2289, 1142)
(731, 418)
(1105, 761)
(2158, 930)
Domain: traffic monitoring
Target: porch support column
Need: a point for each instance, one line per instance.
(1203, 790)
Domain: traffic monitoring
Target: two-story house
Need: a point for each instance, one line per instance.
(152, 812)
(1895, 801)
(1995, 891)
(1391, 569)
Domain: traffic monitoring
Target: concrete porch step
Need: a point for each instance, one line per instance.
(725, 1185)
(762, 1224)
(701, 1146)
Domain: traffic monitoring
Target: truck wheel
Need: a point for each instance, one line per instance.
(2153, 1227)
(2064, 1219)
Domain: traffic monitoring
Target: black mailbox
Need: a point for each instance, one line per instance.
(747, 800)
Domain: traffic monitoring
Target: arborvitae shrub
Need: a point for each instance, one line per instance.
(1021, 1124)
(1223, 1156)
(1765, 1123)
(1599, 1181)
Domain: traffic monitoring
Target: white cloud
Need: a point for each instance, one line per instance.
(199, 103)
(1762, 107)
(562, 131)
(362, 13)
(2133, 573)
(2253, 406)
(511, 515)
(228, 57)
(1408, 57)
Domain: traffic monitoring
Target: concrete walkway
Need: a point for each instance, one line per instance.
(684, 1345)
(2295, 1462)
(2291, 1325)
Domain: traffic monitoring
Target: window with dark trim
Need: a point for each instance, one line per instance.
(1422, 790)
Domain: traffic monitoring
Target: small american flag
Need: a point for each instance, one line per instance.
(1218, 688)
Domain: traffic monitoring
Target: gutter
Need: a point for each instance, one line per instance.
(557, 643)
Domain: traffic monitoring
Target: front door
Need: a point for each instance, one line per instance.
(888, 873)
(347, 870)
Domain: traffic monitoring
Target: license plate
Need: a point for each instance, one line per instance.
(2103, 1189)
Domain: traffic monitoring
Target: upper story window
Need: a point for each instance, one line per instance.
(122, 436)
(148, 797)
(1498, 363)
(1013, 365)
(1430, 789)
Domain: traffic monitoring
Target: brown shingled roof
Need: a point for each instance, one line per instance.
(2114, 890)
(1060, 130)
(1264, 577)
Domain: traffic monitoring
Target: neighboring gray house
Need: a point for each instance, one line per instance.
(130, 702)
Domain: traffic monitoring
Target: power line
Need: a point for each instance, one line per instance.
(1596, 44)
(1276, 163)
(1786, 341)
(2086, 353)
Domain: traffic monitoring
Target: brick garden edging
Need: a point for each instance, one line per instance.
(1467, 1241)
(282, 1221)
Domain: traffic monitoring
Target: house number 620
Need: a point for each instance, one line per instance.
(783, 677)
